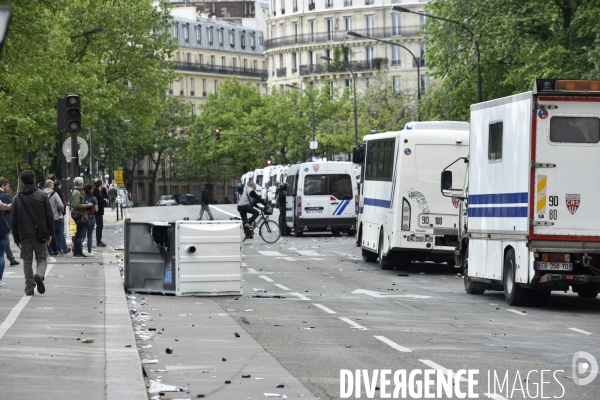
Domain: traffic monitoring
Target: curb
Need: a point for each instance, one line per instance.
(123, 369)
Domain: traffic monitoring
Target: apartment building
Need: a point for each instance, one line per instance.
(300, 32)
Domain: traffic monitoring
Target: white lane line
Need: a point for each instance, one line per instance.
(443, 370)
(516, 312)
(244, 265)
(223, 211)
(393, 344)
(279, 285)
(581, 331)
(308, 252)
(252, 270)
(317, 259)
(322, 307)
(302, 297)
(286, 258)
(354, 324)
(16, 311)
(266, 278)
(495, 396)
(270, 253)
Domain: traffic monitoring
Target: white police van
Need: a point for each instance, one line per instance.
(403, 216)
(321, 196)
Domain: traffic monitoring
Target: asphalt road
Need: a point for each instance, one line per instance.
(317, 308)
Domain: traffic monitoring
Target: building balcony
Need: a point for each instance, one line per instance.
(214, 69)
(354, 66)
(396, 63)
(281, 72)
(338, 36)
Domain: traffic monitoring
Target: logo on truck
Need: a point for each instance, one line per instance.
(573, 201)
(419, 198)
(455, 202)
(543, 114)
(316, 167)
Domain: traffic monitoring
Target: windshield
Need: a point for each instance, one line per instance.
(167, 198)
(337, 185)
(258, 180)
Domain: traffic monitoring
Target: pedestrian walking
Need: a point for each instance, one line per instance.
(6, 199)
(62, 240)
(112, 192)
(79, 213)
(32, 221)
(57, 209)
(88, 197)
(204, 203)
(4, 235)
(102, 197)
(280, 195)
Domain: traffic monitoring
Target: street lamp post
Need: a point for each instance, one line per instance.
(354, 34)
(354, 91)
(463, 26)
(312, 103)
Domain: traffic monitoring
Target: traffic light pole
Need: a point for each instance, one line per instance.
(74, 158)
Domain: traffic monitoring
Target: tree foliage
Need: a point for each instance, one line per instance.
(519, 41)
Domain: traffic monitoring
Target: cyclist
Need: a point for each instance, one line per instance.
(248, 199)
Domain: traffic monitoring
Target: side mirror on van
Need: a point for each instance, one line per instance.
(446, 183)
(358, 154)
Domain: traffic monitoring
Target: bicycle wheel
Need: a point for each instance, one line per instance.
(269, 231)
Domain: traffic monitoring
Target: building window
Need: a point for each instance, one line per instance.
(311, 4)
(200, 59)
(347, 3)
(220, 34)
(189, 58)
(294, 63)
(422, 52)
(310, 57)
(396, 27)
(396, 60)
(369, 53)
(193, 110)
(245, 64)
(216, 87)
(368, 2)
(191, 86)
(203, 87)
(176, 30)
(150, 164)
(186, 33)
(210, 33)
(329, 27)
(243, 40)
(255, 65)
(281, 30)
(222, 61)
(397, 84)
(232, 38)
(422, 19)
(281, 61)
(234, 62)
(181, 86)
(311, 31)
(177, 59)
(370, 24)
(369, 83)
(495, 141)
(295, 5)
(212, 61)
(258, 87)
(424, 84)
(348, 23)
(329, 4)
(295, 31)
(171, 88)
(253, 41)
(199, 34)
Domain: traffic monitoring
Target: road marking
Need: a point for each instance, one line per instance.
(224, 212)
(302, 297)
(244, 265)
(279, 285)
(379, 295)
(445, 371)
(266, 278)
(16, 311)
(252, 270)
(307, 252)
(495, 396)
(287, 258)
(392, 344)
(515, 311)
(317, 259)
(354, 324)
(322, 307)
(270, 253)
(581, 331)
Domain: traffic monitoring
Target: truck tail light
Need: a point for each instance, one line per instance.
(299, 206)
(556, 257)
(405, 215)
(356, 204)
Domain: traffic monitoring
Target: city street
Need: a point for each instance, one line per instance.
(317, 308)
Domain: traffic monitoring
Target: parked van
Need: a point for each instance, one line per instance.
(269, 179)
(258, 179)
(322, 196)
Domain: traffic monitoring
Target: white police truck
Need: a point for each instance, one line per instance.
(321, 196)
(529, 222)
(402, 215)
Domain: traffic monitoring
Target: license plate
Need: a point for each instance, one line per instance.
(313, 211)
(419, 239)
(554, 266)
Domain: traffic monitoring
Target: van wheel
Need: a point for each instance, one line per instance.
(472, 287)
(335, 232)
(587, 292)
(368, 256)
(383, 261)
(514, 294)
(298, 233)
(351, 232)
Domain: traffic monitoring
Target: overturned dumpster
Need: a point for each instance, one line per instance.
(184, 258)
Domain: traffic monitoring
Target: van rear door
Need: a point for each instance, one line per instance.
(564, 190)
(315, 197)
(341, 195)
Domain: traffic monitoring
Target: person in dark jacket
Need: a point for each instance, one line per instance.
(31, 211)
(6, 199)
(246, 205)
(62, 244)
(204, 203)
(4, 235)
(101, 196)
(281, 205)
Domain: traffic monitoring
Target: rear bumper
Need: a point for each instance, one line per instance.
(327, 223)
(572, 280)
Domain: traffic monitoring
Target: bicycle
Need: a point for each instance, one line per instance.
(268, 230)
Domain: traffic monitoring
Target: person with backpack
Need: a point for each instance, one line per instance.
(113, 193)
(88, 197)
(57, 209)
(79, 213)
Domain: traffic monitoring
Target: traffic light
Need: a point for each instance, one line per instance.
(269, 163)
(73, 113)
(218, 134)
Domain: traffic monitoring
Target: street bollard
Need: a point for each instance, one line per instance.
(121, 211)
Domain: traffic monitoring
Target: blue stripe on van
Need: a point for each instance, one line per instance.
(498, 198)
(377, 202)
(497, 212)
(344, 205)
(337, 208)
